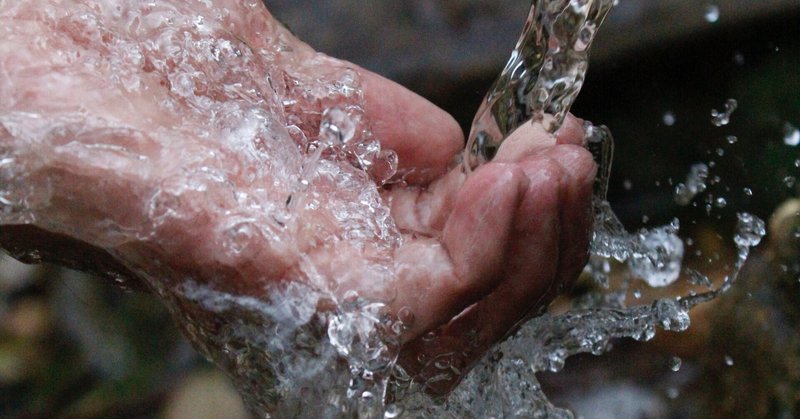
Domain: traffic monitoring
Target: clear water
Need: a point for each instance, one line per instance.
(543, 76)
(287, 357)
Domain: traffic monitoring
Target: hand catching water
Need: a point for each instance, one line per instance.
(170, 142)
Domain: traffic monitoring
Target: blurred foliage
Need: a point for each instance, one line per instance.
(74, 346)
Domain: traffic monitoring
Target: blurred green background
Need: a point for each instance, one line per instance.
(73, 346)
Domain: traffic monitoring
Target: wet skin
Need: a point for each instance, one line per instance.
(480, 252)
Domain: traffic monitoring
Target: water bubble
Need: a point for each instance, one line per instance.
(720, 119)
(675, 363)
(712, 13)
(791, 135)
(669, 118)
(728, 360)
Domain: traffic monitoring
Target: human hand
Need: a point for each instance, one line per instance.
(183, 147)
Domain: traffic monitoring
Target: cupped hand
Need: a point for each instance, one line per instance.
(182, 141)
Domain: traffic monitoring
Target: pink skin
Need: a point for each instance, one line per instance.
(480, 252)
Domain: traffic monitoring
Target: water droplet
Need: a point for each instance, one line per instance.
(628, 185)
(789, 181)
(675, 363)
(797, 163)
(738, 59)
(728, 360)
(673, 393)
(720, 119)
(712, 13)
(748, 191)
(791, 135)
(695, 184)
(721, 202)
(669, 118)
(732, 139)
(637, 294)
(749, 230)
(392, 411)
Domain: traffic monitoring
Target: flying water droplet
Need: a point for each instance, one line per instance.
(712, 13)
(695, 184)
(669, 118)
(791, 135)
(723, 118)
(628, 185)
(749, 230)
(675, 363)
(673, 393)
(728, 360)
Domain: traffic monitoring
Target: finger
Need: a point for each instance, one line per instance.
(571, 131)
(575, 212)
(425, 137)
(532, 138)
(547, 247)
(452, 274)
(525, 141)
(532, 263)
(423, 210)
